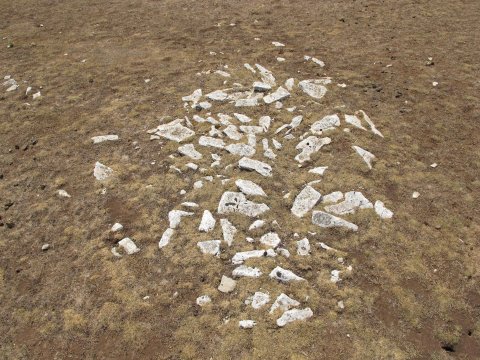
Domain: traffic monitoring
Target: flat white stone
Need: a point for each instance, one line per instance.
(203, 300)
(211, 247)
(309, 87)
(276, 144)
(251, 129)
(246, 271)
(194, 97)
(309, 146)
(367, 156)
(250, 68)
(165, 239)
(63, 193)
(355, 121)
(249, 188)
(227, 284)
(266, 75)
(279, 95)
(329, 122)
(284, 275)
(174, 131)
(258, 300)
(217, 95)
(222, 73)
(102, 172)
(252, 140)
(318, 62)
(13, 87)
(280, 59)
(415, 194)
(36, 95)
(232, 202)
(335, 276)
(305, 201)
(208, 222)
(256, 224)
(369, 122)
(224, 119)
(250, 101)
(189, 150)
(327, 220)
(318, 170)
(255, 165)
(241, 257)
(232, 132)
(247, 324)
(353, 200)
(282, 251)
(129, 246)
(175, 217)
(294, 315)
(265, 122)
(191, 166)
(240, 149)
(242, 118)
(382, 211)
(116, 227)
(277, 44)
(210, 141)
(261, 86)
(228, 231)
(284, 303)
(102, 138)
(303, 247)
(270, 239)
(333, 197)
(289, 84)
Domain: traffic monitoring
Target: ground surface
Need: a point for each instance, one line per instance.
(414, 292)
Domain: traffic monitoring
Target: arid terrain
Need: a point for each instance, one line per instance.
(410, 284)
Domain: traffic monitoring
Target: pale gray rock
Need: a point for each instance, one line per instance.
(303, 247)
(236, 202)
(116, 227)
(318, 170)
(294, 315)
(284, 275)
(249, 188)
(208, 222)
(211, 247)
(247, 324)
(284, 303)
(266, 75)
(174, 131)
(203, 300)
(312, 89)
(353, 200)
(333, 197)
(382, 211)
(175, 217)
(194, 97)
(367, 156)
(279, 95)
(256, 225)
(228, 231)
(242, 118)
(129, 246)
(270, 239)
(258, 300)
(305, 201)
(227, 284)
(232, 132)
(102, 172)
(309, 146)
(102, 138)
(165, 239)
(217, 95)
(255, 165)
(212, 142)
(327, 220)
(189, 150)
(261, 87)
(246, 271)
(241, 149)
(241, 257)
(369, 122)
(329, 122)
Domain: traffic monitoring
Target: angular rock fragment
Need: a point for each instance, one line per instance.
(355, 121)
(284, 275)
(261, 87)
(246, 271)
(382, 211)
(329, 122)
(240, 257)
(249, 188)
(208, 222)
(189, 150)
(369, 122)
(305, 201)
(289, 84)
(116, 227)
(194, 97)
(250, 68)
(165, 239)
(203, 300)
(102, 138)
(247, 324)
(175, 217)
(294, 315)
(256, 224)
(174, 131)
(318, 170)
(333, 197)
(129, 246)
(251, 129)
(102, 172)
(335, 276)
(327, 220)
(279, 95)
(222, 73)
(284, 303)
(227, 284)
(367, 156)
(264, 122)
(353, 200)
(266, 75)
(63, 193)
(190, 204)
(232, 202)
(242, 118)
(258, 300)
(210, 141)
(303, 247)
(217, 95)
(309, 146)
(240, 149)
(255, 165)
(277, 44)
(270, 239)
(313, 89)
(232, 132)
(211, 247)
(228, 231)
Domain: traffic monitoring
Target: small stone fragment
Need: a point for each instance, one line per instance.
(279, 95)
(305, 201)
(246, 271)
(284, 303)
(165, 239)
(189, 150)
(353, 200)
(249, 188)
(270, 239)
(63, 193)
(382, 211)
(303, 247)
(116, 227)
(318, 170)
(232, 202)
(102, 172)
(333, 197)
(129, 246)
(258, 166)
(309, 146)
(329, 122)
(227, 284)
(240, 149)
(309, 87)
(240, 257)
(247, 324)
(210, 141)
(208, 222)
(256, 224)
(294, 315)
(228, 231)
(211, 247)
(102, 138)
(258, 300)
(284, 275)
(45, 247)
(368, 157)
(175, 216)
(327, 220)
(203, 300)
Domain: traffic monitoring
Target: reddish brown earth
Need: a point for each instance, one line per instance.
(415, 292)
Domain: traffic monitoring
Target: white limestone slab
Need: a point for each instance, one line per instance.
(208, 222)
(367, 156)
(129, 246)
(232, 202)
(303, 247)
(309, 146)
(278, 95)
(102, 172)
(270, 239)
(382, 211)
(353, 200)
(249, 188)
(283, 303)
(102, 138)
(294, 315)
(175, 217)
(305, 201)
(166, 237)
(212, 142)
(228, 231)
(246, 271)
(240, 149)
(329, 122)
(255, 165)
(189, 150)
(327, 220)
(284, 275)
(241, 257)
(211, 247)
(312, 89)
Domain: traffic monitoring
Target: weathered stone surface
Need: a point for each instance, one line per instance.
(303, 247)
(309, 146)
(247, 324)
(333, 197)
(211, 247)
(240, 257)
(382, 211)
(294, 315)
(249, 188)
(309, 87)
(217, 95)
(258, 166)
(246, 271)
(208, 222)
(267, 76)
(367, 156)
(283, 303)
(166, 236)
(327, 220)
(232, 202)
(305, 201)
(227, 284)
(270, 239)
(174, 131)
(232, 132)
(189, 150)
(102, 138)
(212, 142)
(102, 172)
(175, 217)
(329, 122)
(240, 149)
(284, 275)
(258, 300)
(129, 246)
(353, 200)
(228, 231)
(279, 95)
(203, 300)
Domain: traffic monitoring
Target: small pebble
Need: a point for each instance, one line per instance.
(45, 247)
(415, 194)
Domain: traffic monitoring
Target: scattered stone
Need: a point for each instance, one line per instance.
(249, 188)
(208, 222)
(270, 239)
(63, 193)
(211, 247)
(210, 141)
(116, 227)
(284, 303)
(102, 172)
(369, 122)
(217, 95)
(294, 315)
(284, 275)
(203, 300)
(318, 62)
(309, 146)
(353, 200)
(258, 166)
(279, 95)
(189, 150)
(333, 197)
(327, 220)
(174, 131)
(355, 121)
(165, 239)
(232, 202)
(222, 73)
(250, 68)
(318, 170)
(312, 89)
(258, 300)
(303, 247)
(232, 132)
(129, 246)
(368, 157)
(240, 257)
(240, 149)
(246, 271)
(247, 324)
(228, 231)
(190, 204)
(266, 75)
(175, 217)
(329, 122)
(102, 138)
(335, 276)
(277, 44)
(415, 194)
(242, 118)
(227, 284)
(45, 247)
(256, 225)
(261, 86)
(434, 165)
(305, 201)
(289, 84)
(382, 211)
